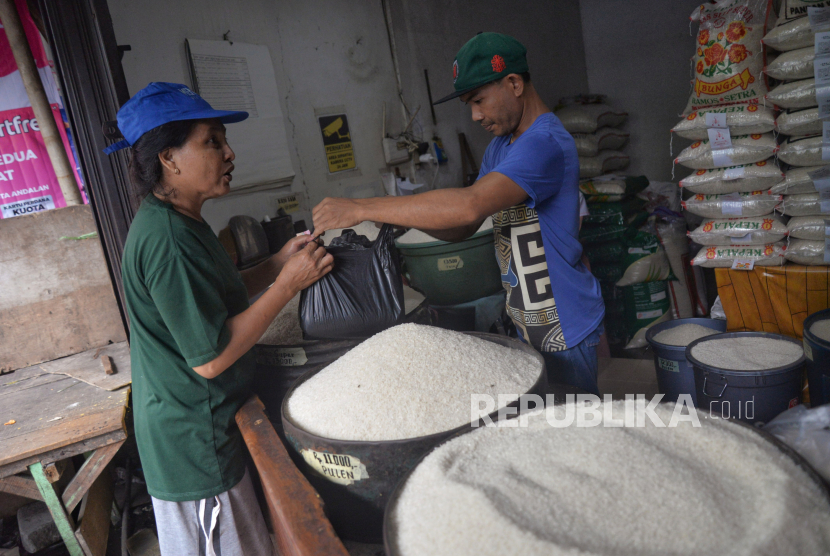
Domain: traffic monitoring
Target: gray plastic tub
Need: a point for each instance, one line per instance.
(675, 375)
(817, 352)
(751, 396)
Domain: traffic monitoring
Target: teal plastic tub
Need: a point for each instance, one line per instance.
(453, 273)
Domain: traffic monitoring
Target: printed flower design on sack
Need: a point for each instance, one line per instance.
(768, 250)
(752, 108)
(711, 252)
(766, 224)
(708, 226)
(720, 56)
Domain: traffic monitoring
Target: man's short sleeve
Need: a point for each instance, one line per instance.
(537, 165)
(189, 297)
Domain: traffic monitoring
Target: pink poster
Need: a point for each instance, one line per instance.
(27, 181)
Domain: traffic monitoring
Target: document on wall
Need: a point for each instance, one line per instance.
(239, 76)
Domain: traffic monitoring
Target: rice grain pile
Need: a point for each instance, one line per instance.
(683, 335)
(414, 236)
(751, 353)
(408, 381)
(610, 491)
(285, 329)
(821, 329)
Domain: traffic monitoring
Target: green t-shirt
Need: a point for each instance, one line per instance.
(181, 286)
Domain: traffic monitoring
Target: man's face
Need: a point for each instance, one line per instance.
(497, 106)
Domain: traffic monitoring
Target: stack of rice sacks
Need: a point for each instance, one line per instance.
(733, 188)
(630, 263)
(800, 126)
(595, 129)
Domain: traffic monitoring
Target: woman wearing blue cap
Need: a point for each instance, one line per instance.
(191, 327)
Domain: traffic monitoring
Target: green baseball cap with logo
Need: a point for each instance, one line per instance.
(484, 59)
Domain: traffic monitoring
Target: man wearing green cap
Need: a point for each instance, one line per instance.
(529, 183)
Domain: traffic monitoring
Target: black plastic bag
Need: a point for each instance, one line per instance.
(361, 296)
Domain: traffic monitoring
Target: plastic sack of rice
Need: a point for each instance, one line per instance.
(792, 65)
(607, 273)
(799, 121)
(611, 252)
(756, 203)
(617, 214)
(796, 94)
(590, 235)
(607, 138)
(806, 204)
(644, 260)
(746, 149)
(807, 252)
(729, 60)
(672, 236)
(742, 119)
(713, 256)
(796, 181)
(605, 162)
(757, 230)
(588, 118)
(646, 304)
(791, 34)
(609, 189)
(809, 227)
(746, 178)
(802, 151)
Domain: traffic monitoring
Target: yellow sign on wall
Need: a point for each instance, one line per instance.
(338, 142)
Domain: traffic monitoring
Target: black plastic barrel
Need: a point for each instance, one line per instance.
(675, 375)
(817, 352)
(278, 231)
(750, 396)
(356, 510)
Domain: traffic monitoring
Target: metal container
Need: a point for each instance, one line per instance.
(751, 396)
(360, 476)
(675, 375)
(817, 352)
(388, 526)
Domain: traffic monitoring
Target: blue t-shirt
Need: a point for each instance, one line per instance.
(552, 298)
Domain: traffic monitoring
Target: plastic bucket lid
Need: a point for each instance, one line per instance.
(438, 242)
(734, 372)
(679, 352)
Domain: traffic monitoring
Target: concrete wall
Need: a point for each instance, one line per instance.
(326, 53)
(429, 34)
(638, 54)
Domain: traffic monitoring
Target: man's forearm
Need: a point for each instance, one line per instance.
(433, 210)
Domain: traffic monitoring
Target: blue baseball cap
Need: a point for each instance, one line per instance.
(159, 103)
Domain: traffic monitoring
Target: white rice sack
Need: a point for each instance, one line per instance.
(755, 230)
(607, 138)
(588, 118)
(806, 204)
(771, 254)
(760, 176)
(728, 63)
(651, 268)
(802, 121)
(606, 161)
(673, 238)
(746, 149)
(796, 181)
(808, 227)
(802, 151)
(790, 10)
(742, 119)
(796, 94)
(604, 190)
(757, 203)
(806, 252)
(791, 35)
(796, 64)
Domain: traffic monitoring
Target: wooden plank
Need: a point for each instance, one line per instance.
(63, 520)
(796, 288)
(86, 366)
(729, 300)
(746, 299)
(296, 510)
(63, 452)
(758, 281)
(20, 486)
(86, 475)
(94, 528)
(57, 297)
(63, 434)
(54, 471)
(777, 285)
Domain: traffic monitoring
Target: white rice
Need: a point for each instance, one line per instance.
(752, 353)
(414, 236)
(406, 382)
(285, 329)
(821, 329)
(683, 335)
(610, 491)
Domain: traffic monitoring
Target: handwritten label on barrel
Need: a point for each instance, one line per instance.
(669, 365)
(337, 468)
(453, 262)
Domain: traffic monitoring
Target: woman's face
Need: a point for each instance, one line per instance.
(205, 162)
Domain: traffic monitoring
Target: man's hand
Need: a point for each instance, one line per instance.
(334, 213)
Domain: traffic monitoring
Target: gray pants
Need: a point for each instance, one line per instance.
(229, 524)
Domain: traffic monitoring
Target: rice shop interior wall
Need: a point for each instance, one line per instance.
(638, 54)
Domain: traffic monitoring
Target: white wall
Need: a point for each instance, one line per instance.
(326, 53)
(638, 54)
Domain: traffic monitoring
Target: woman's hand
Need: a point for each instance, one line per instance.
(293, 245)
(305, 267)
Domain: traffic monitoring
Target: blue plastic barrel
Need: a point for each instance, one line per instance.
(817, 352)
